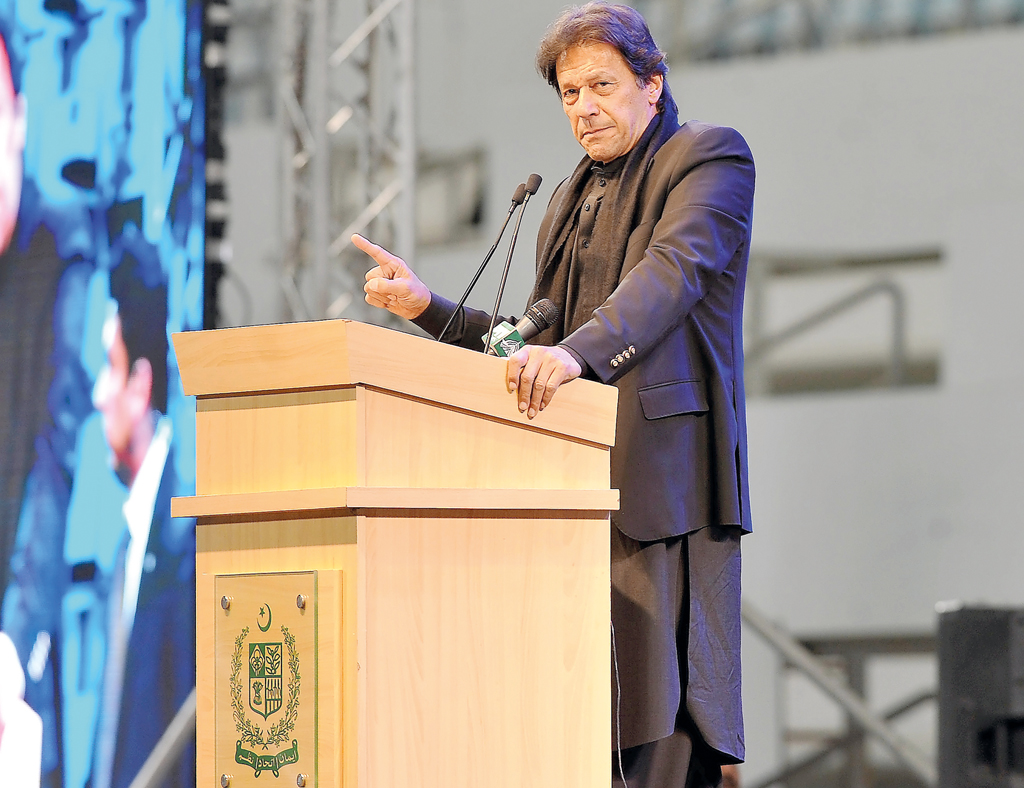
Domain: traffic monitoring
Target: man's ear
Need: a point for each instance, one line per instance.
(654, 88)
(140, 383)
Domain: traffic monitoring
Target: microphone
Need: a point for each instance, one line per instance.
(507, 339)
(532, 184)
(518, 199)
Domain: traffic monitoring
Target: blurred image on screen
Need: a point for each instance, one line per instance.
(102, 201)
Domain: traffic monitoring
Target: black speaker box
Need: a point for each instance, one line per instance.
(981, 698)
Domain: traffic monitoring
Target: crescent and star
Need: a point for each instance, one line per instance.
(265, 610)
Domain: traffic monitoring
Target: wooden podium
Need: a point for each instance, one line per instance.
(400, 580)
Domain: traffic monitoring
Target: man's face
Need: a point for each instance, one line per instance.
(606, 107)
(12, 143)
(120, 394)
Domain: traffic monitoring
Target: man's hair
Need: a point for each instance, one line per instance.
(618, 25)
(142, 308)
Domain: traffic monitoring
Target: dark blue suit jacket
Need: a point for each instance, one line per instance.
(160, 669)
(670, 338)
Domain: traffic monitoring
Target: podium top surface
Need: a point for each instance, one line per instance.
(342, 353)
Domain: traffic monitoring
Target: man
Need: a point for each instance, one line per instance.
(124, 649)
(644, 248)
(150, 604)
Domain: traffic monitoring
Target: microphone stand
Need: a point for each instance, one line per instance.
(518, 199)
(488, 350)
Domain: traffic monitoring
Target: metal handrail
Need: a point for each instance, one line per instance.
(802, 659)
(790, 770)
(897, 367)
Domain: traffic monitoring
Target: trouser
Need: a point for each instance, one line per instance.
(676, 679)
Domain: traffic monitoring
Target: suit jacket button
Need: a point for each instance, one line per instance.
(614, 362)
(632, 349)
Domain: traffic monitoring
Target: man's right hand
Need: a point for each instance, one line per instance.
(392, 285)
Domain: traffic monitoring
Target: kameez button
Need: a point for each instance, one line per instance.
(586, 207)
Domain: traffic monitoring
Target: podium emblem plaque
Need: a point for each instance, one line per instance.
(266, 656)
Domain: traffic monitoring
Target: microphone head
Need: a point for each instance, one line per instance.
(533, 183)
(520, 195)
(538, 317)
(544, 313)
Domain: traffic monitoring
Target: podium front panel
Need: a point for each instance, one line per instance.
(263, 564)
(280, 441)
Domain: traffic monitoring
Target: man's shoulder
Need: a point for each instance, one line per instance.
(705, 139)
(694, 129)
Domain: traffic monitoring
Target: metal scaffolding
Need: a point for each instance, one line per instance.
(345, 115)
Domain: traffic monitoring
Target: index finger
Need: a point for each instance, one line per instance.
(387, 262)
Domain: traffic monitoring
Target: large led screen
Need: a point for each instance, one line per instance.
(102, 200)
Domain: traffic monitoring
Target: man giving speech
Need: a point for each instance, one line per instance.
(644, 250)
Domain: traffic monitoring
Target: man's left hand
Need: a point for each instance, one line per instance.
(535, 372)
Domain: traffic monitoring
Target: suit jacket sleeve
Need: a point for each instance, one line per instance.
(468, 329)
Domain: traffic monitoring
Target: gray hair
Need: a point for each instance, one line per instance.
(618, 25)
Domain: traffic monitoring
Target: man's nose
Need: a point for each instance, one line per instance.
(587, 104)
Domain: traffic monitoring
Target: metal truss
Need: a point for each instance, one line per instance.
(347, 146)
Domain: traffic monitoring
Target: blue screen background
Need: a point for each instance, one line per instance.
(113, 166)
